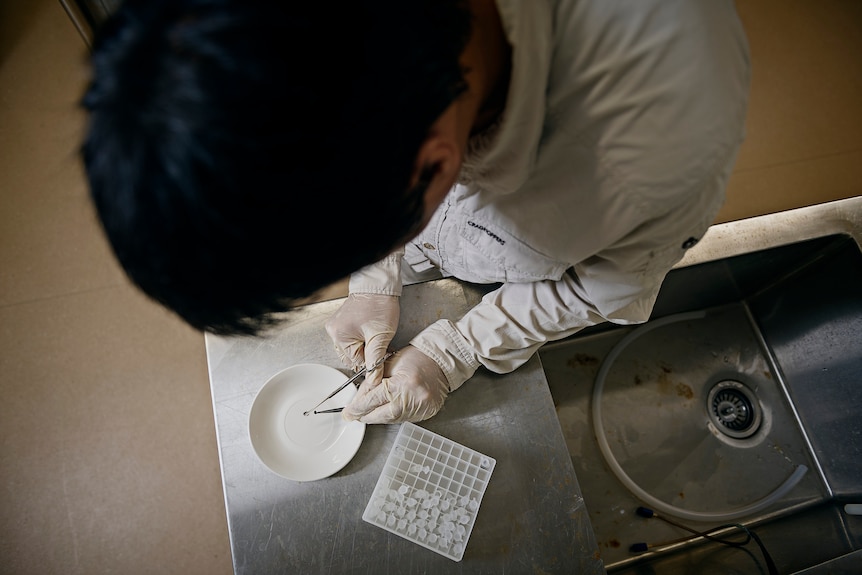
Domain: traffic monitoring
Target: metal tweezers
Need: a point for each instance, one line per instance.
(353, 379)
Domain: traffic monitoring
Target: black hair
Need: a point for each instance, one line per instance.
(244, 154)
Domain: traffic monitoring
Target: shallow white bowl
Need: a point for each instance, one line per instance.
(299, 447)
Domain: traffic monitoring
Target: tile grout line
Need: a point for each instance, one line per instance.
(800, 161)
(4, 306)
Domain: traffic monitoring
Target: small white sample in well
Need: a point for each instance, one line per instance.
(422, 491)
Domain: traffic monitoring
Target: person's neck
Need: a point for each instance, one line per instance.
(487, 61)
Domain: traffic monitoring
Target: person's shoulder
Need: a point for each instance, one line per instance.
(656, 90)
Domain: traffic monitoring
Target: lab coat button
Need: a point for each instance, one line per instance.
(689, 243)
(428, 246)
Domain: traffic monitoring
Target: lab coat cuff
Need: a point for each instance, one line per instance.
(443, 343)
(383, 277)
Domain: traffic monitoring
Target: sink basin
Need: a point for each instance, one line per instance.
(740, 401)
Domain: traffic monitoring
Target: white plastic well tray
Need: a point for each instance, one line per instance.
(430, 490)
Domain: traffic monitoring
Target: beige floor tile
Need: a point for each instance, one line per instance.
(806, 84)
(109, 455)
(804, 127)
(786, 186)
(49, 241)
(108, 458)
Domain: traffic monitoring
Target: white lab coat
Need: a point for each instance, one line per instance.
(622, 123)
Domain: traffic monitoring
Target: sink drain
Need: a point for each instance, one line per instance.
(733, 409)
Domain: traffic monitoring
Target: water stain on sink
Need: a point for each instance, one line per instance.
(582, 360)
(666, 385)
(684, 390)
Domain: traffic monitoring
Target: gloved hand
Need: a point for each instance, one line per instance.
(362, 329)
(414, 390)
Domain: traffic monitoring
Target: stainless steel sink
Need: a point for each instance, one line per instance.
(740, 401)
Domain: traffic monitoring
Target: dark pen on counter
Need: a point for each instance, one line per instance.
(353, 379)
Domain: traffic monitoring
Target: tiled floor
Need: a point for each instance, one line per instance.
(108, 461)
(804, 140)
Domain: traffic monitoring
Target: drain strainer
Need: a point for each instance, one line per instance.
(733, 409)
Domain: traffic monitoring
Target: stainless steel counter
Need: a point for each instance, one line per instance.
(531, 520)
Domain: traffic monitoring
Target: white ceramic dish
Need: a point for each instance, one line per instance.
(299, 447)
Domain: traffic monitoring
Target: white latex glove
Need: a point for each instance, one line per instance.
(414, 390)
(362, 329)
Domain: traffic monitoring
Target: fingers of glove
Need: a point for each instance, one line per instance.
(418, 405)
(366, 350)
(378, 331)
(375, 348)
(415, 390)
(352, 355)
(343, 319)
(361, 319)
(348, 341)
(368, 398)
(383, 414)
(377, 405)
(422, 385)
(360, 309)
(406, 404)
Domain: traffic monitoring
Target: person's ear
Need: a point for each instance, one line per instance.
(439, 163)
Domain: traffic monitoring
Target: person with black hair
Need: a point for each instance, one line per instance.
(568, 150)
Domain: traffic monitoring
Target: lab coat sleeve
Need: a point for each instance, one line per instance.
(619, 284)
(383, 277)
(509, 325)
